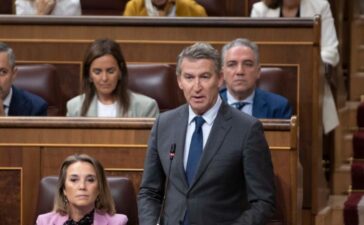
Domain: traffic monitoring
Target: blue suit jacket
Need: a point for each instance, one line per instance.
(23, 103)
(267, 105)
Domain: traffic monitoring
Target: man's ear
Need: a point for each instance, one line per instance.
(221, 79)
(258, 71)
(179, 82)
(14, 73)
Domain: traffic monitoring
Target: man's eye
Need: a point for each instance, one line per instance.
(248, 64)
(3, 72)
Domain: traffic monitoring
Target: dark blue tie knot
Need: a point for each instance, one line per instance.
(199, 121)
(240, 105)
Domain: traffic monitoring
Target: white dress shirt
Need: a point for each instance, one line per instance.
(248, 109)
(6, 102)
(209, 118)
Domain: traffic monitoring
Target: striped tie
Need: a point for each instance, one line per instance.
(240, 105)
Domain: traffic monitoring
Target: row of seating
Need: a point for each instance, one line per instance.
(116, 7)
(154, 80)
(354, 203)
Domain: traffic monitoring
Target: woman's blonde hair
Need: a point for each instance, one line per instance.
(104, 202)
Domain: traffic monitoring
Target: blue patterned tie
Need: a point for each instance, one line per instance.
(194, 155)
(240, 105)
(195, 149)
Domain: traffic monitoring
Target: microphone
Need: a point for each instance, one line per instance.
(172, 153)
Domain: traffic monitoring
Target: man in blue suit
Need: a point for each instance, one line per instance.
(241, 71)
(13, 101)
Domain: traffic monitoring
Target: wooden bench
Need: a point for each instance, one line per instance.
(357, 58)
(31, 148)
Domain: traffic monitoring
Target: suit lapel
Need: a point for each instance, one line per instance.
(17, 104)
(180, 137)
(219, 129)
(223, 94)
(260, 109)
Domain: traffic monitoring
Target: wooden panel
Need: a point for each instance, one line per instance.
(357, 58)
(120, 145)
(10, 195)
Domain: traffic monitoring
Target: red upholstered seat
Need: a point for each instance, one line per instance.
(6, 7)
(351, 209)
(42, 80)
(213, 7)
(282, 81)
(104, 7)
(158, 81)
(358, 145)
(360, 115)
(357, 175)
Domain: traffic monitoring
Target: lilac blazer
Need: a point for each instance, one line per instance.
(54, 218)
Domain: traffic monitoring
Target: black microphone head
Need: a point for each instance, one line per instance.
(172, 151)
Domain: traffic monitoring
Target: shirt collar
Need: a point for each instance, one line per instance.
(7, 99)
(231, 99)
(208, 116)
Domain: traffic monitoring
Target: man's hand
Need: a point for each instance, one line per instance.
(45, 7)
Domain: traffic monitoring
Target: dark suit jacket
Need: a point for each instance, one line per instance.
(233, 183)
(23, 103)
(267, 105)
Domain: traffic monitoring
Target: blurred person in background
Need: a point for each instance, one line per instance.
(13, 101)
(48, 7)
(329, 42)
(105, 86)
(241, 70)
(169, 8)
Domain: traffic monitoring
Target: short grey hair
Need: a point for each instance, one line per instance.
(199, 50)
(11, 56)
(240, 42)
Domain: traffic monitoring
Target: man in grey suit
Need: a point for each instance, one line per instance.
(219, 172)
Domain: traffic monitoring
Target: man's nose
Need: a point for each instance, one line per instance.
(197, 84)
(240, 69)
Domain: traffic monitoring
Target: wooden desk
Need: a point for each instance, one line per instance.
(282, 42)
(31, 148)
(357, 58)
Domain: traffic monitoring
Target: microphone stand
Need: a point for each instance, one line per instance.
(172, 152)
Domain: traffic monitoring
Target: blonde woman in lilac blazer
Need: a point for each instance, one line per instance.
(83, 196)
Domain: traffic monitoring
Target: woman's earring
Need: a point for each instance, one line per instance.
(97, 202)
(65, 200)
